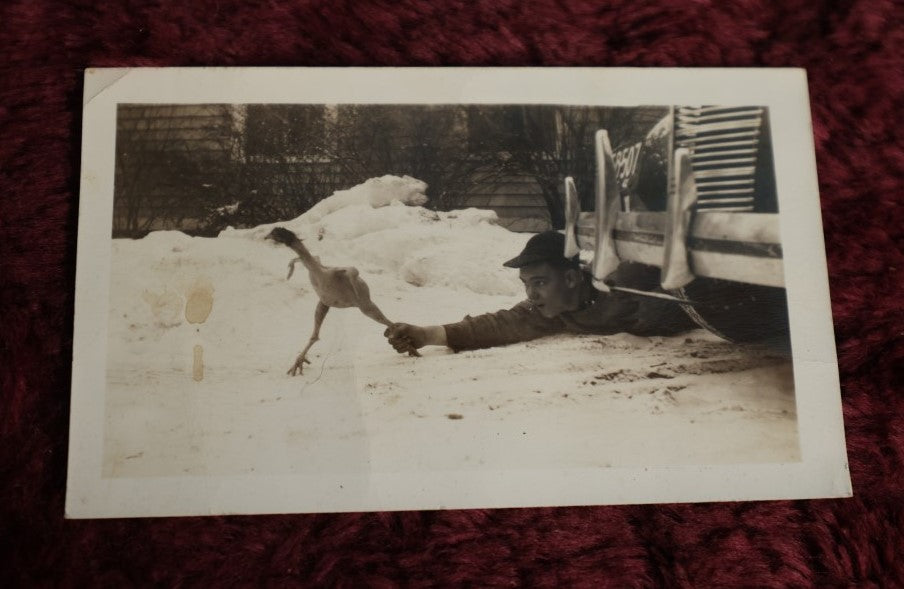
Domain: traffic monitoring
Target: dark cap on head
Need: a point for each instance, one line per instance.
(548, 246)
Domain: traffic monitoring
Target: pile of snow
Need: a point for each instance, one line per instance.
(373, 193)
(376, 192)
(380, 227)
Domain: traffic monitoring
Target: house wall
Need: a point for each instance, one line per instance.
(170, 160)
(516, 199)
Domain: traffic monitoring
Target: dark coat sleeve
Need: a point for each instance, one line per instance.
(518, 324)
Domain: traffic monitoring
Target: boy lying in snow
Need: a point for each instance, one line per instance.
(560, 299)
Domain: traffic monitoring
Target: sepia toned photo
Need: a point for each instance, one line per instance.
(429, 300)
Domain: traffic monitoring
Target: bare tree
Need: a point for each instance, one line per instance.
(426, 142)
(551, 142)
(295, 155)
(286, 167)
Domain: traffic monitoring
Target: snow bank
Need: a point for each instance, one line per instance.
(376, 192)
(380, 227)
(373, 193)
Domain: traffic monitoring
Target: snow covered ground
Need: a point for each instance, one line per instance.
(197, 392)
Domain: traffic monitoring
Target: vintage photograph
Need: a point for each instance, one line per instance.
(442, 291)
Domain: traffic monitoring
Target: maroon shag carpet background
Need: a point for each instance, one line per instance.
(853, 52)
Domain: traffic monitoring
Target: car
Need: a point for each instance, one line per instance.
(695, 201)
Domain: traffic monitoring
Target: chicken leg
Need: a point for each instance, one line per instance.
(302, 359)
